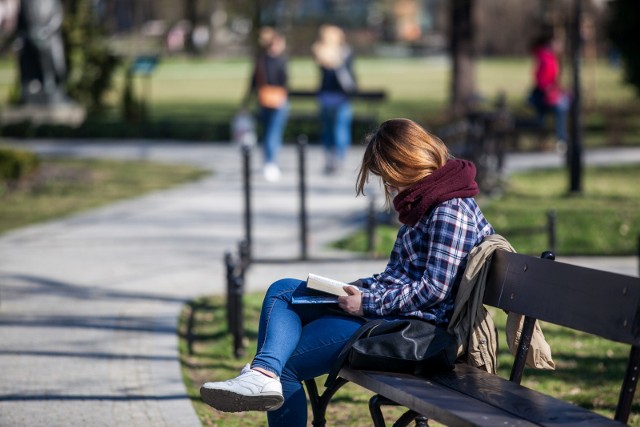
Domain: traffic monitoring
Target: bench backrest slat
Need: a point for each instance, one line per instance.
(593, 301)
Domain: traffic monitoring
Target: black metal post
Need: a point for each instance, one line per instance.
(302, 148)
(523, 348)
(246, 156)
(231, 305)
(551, 230)
(243, 252)
(629, 385)
(575, 140)
(238, 320)
(190, 324)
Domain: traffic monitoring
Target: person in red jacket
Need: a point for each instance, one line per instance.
(547, 95)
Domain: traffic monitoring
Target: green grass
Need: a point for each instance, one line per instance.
(61, 187)
(195, 98)
(603, 220)
(588, 372)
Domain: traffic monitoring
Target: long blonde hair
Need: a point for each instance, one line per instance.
(330, 47)
(401, 153)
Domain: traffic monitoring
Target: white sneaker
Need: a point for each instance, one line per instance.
(271, 172)
(250, 391)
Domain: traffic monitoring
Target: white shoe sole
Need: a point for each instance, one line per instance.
(228, 401)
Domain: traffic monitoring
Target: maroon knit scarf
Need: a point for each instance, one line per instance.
(455, 179)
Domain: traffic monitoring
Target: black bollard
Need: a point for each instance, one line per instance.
(238, 315)
(230, 272)
(190, 324)
(551, 230)
(243, 251)
(302, 148)
(246, 156)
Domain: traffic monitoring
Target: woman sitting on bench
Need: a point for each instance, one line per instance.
(433, 195)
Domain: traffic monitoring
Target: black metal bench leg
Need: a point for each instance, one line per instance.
(409, 416)
(405, 419)
(319, 402)
(374, 409)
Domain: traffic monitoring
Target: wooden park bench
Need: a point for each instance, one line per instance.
(596, 302)
(307, 122)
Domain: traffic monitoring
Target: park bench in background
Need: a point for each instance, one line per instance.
(596, 302)
(482, 136)
(307, 121)
(529, 135)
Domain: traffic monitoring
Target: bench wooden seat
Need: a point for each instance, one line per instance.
(468, 396)
(592, 301)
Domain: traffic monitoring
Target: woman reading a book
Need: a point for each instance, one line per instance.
(441, 222)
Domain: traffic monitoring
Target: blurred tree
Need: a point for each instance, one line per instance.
(191, 14)
(463, 79)
(624, 32)
(91, 65)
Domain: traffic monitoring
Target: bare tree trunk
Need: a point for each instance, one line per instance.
(463, 79)
(191, 14)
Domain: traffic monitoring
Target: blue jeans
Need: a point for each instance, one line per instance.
(273, 124)
(559, 110)
(298, 342)
(336, 129)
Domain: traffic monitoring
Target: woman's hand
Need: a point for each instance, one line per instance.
(351, 303)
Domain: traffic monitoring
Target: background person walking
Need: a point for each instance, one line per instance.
(269, 81)
(337, 80)
(547, 95)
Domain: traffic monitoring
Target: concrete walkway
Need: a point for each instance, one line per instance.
(89, 304)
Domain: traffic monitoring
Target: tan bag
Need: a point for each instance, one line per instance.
(270, 96)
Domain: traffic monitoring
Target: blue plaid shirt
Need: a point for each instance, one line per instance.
(427, 263)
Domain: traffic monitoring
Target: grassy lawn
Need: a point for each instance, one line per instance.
(588, 369)
(603, 220)
(62, 187)
(195, 98)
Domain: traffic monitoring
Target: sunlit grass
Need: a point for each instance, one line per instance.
(208, 89)
(62, 187)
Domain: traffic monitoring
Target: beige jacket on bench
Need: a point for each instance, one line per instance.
(472, 325)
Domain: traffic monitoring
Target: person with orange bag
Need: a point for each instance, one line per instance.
(269, 82)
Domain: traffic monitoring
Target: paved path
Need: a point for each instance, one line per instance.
(88, 304)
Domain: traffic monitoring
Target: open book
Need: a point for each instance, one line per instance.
(323, 290)
(324, 284)
(314, 299)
